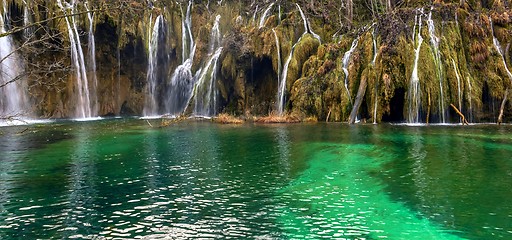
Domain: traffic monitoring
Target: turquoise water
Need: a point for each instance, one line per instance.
(124, 179)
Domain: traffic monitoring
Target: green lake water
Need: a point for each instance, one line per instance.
(122, 179)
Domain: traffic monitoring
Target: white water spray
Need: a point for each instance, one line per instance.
(346, 61)
(374, 36)
(205, 90)
(278, 47)
(282, 80)
(92, 60)
(13, 97)
(182, 80)
(434, 41)
(27, 20)
(265, 14)
(498, 48)
(414, 86)
(307, 26)
(83, 105)
(470, 89)
(459, 93)
(151, 105)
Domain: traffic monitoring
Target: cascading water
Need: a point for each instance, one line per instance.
(265, 14)
(279, 12)
(92, 60)
(278, 47)
(254, 15)
(27, 21)
(459, 93)
(346, 61)
(497, 46)
(186, 35)
(307, 26)
(13, 98)
(151, 105)
(282, 80)
(414, 86)
(83, 105)
(205, 90)
(434, 41)
(182, 80)
(470, 99)
(374, 37)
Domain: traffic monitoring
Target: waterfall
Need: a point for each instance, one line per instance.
(181, 86)
(279, 10)
(205, 90)
(83, 104)
(414, 86)
(265, 14)
(434, 41)
(13, 98)
(282, 80)
(470, 99)
(92, 60)
(187, 38)
(346, 61)
(254, 15)
(374, 37)
(151, 105)
(459, 93)
(307, 26)
(179, 92)
(497, 45)
(278, 47)
(27, 20)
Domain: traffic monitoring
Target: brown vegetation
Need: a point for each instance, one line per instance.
(225, 118)
(275, 118)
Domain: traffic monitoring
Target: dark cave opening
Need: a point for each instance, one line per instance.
(396, 107)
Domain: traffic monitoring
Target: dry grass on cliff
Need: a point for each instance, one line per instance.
(225, 118)
(276, 118)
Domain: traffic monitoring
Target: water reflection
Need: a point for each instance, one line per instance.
(283, 146)
(9, 158)
(417, 155)
(80, 214)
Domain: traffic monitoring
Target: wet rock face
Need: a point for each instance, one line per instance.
(261, 40)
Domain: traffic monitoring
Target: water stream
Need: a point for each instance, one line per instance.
(414, 99)
(13, 96)
(182, 80)
(346, 62)
(374, 37)
(83, 100)
(307, 25)
(282, 80)
(279, 64)
(498, 48)
(27, 20)
(434, 41)
(205, 90)
(91, 60)
(459, 92)
(265, 14)
(151, 103)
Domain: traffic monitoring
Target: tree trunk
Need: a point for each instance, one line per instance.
(463, 118)
(359, 100)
